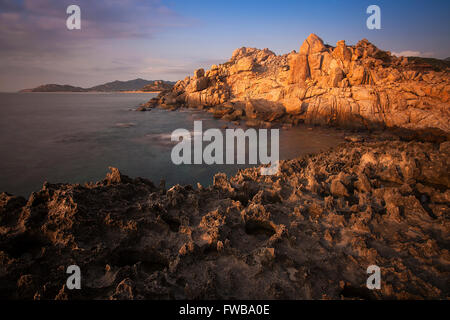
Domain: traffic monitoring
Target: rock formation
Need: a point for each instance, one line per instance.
(158, 85)
(357, 86)
(309, 232)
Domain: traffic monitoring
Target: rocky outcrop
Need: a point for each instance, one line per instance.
(308, 232)
(157, 86)
(358, 86)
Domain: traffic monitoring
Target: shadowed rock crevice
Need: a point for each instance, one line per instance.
(149, 260)
(23, 243)
(260, 229)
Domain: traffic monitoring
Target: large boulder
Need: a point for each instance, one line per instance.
(244, 64)
(359, 75)
(264, 110)
(342, 53)
(313, 44)
(198, 84)
(298, 69)
(336, 76)
(199, 73)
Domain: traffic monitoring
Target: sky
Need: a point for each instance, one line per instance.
(157, 39)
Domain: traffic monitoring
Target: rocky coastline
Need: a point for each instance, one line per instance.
(308, 232)
(354, 87)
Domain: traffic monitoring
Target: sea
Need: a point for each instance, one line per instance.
(75, 137)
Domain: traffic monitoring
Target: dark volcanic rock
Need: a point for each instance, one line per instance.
(309, 232)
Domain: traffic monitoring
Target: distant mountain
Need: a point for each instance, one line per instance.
(447, 59)
(130, 85)
(114, 86)
(55, 88)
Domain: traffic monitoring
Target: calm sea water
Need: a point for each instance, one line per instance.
(74, 137)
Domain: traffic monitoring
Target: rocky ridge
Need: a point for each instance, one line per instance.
(357, 86)
(158, 85)
(308, 232)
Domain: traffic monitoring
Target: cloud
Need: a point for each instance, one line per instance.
(410, 53)
(100, 18)
(33, 36)
(40, 25)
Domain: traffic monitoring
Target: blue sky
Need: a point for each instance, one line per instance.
(156, 39)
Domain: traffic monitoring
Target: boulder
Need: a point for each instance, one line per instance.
(264, 110)
(341, 52)
(313, 44)
(338, 189)
(142, 108)
(298, 69)
(245, 64)
(359, 75)
(198, 84)
(199, 73)
(337, 75)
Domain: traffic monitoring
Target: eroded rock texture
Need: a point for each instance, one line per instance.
(308, 232)
(357, 86)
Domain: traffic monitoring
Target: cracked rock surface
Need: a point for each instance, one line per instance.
(309, 232)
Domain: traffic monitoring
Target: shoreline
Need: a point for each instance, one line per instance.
(434, 135)
(138, 91)
(246, 227)
(106, 92)
(310, 231)
(272, 154)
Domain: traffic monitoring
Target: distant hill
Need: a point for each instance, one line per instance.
(114, 86)
(130, 85)
(55, 88)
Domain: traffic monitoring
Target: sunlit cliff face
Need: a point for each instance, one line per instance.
(354, 86)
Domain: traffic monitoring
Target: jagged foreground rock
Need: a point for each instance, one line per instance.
(308, 232)
(356, 86)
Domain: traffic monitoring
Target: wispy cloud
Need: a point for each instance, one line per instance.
(100, 18)
(33, 35)
(411, 53)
